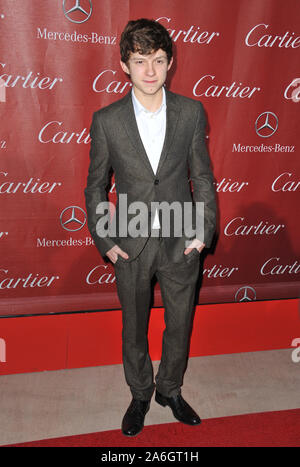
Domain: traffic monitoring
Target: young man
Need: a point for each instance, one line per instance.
(154, 140)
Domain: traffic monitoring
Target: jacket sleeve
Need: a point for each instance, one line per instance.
(202, 177)
(97, 181)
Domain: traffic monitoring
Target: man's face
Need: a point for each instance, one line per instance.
(147, 72)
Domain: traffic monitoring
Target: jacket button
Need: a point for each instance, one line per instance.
(156, 181)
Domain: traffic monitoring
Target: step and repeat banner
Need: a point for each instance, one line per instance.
(59, 63)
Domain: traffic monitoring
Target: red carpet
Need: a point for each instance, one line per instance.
(262, 429)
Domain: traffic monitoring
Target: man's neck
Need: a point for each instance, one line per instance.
(150, 102)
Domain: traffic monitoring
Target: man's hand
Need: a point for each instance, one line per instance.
(114, 252)
(195, 244)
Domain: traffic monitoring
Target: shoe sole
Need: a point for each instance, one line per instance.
(132, 436)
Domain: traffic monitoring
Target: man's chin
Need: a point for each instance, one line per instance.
(151, 91)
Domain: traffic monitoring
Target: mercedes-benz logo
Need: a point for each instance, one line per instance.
(266, 124)
(245, 294)
(77, 13)
(72, 218)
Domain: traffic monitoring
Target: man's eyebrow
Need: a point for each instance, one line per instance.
(145, 58)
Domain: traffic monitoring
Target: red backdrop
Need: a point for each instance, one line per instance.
(58, 64)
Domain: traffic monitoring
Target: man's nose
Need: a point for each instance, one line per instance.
(150, 69)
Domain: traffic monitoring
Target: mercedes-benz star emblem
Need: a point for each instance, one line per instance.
(77, 13)
(72, 218)
(266, 124)
(245, 294)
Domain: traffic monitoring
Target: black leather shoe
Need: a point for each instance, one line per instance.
(133, 421)
(180, 408)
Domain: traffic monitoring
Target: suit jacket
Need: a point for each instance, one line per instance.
(116, 144)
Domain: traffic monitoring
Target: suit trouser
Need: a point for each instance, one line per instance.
(177, 284)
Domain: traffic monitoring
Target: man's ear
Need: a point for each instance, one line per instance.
(170, 63)
(124, 67)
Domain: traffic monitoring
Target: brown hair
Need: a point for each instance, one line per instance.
(144, 36)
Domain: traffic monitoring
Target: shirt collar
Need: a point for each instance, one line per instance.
(139, 108)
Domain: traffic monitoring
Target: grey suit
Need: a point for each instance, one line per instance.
(116, 144)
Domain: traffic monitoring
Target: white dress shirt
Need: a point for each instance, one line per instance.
(152, 129)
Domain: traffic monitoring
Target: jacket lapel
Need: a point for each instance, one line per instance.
(129, 121)
(173, 111)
